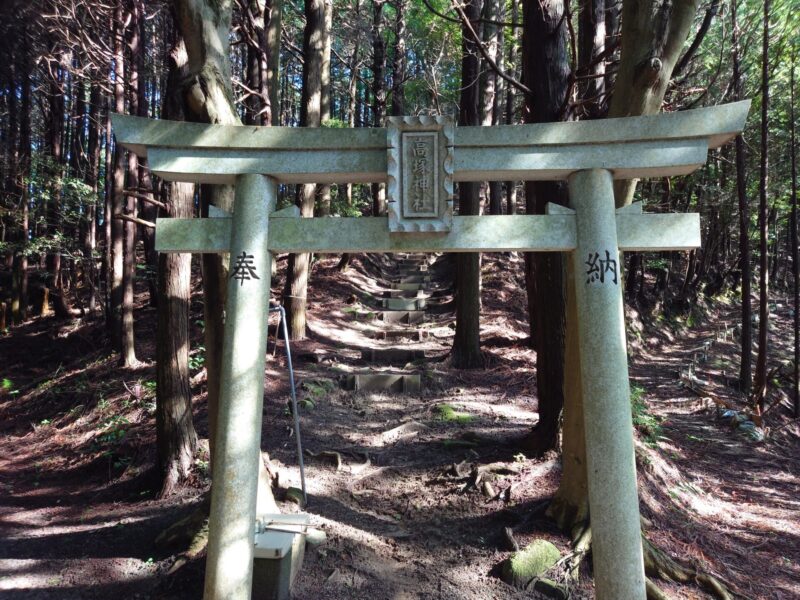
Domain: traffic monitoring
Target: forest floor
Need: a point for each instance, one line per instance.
(78, 514)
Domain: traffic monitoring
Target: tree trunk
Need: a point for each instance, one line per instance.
(570, 505)
(399, 62)
(760, 382)
(297, 270)
(511, 186)
(378, 94)
(653, 34)
(176, 437)
(256, 103)
(128, 358)
(795, 252)
(19, 291)
(273, 17)
(324, 191)
(117, 189)
(466, 352)
(92, 177)
(745, 362)
(54, 212)
(490, 88)
(208, 98)
(591, 44)
(545, 67)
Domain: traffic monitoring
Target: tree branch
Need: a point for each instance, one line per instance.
(489, 60)
(136, 220)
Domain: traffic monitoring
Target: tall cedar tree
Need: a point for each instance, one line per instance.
(207, 98)
(760, 383)
(176, 439)
(466, 353)
(546, 72)
(297, 272)
(746, 338)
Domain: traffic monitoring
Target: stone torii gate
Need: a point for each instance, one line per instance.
(420, 158)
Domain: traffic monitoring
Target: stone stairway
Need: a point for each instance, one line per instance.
(411, 285)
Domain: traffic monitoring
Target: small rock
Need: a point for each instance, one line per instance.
(523, 566)
(316, 537)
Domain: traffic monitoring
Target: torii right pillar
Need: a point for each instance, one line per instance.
(613, 499)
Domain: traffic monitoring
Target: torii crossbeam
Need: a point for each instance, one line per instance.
(420, 158)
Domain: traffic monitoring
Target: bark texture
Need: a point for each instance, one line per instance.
(176, 438)
(466, 353)
(207, 98)
(653, 34)
(297, 271)
(760, 382)
(545, 70)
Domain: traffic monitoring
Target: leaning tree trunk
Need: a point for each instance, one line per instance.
(207, 97)
(297, 270)
(545, 68)
(466, 353)
(653, 34)
(652, 38)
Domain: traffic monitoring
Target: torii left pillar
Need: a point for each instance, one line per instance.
(229, 564)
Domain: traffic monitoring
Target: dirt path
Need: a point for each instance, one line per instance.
(77, 514)
(716, 496)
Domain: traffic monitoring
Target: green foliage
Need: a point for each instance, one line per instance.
(198, 359)
(114, 429)
(655, 264)
(646, 423)
(316, 390)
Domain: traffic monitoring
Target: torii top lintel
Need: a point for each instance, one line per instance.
(659, 145)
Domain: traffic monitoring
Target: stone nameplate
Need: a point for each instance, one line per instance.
(419, 192)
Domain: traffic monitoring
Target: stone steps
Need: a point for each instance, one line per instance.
(407, 317)
(412, 279)
(410, 304)
(409, 279)
(402, 383)
(416, 335)
(392, 355)
(404, 294)
(408, 286)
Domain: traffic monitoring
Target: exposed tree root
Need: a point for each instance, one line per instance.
(656, 565)
(568, 515)
(184, 533)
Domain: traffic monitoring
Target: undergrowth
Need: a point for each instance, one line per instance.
(648, 425)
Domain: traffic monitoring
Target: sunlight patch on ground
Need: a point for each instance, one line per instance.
(506, 411)
(46, 574)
